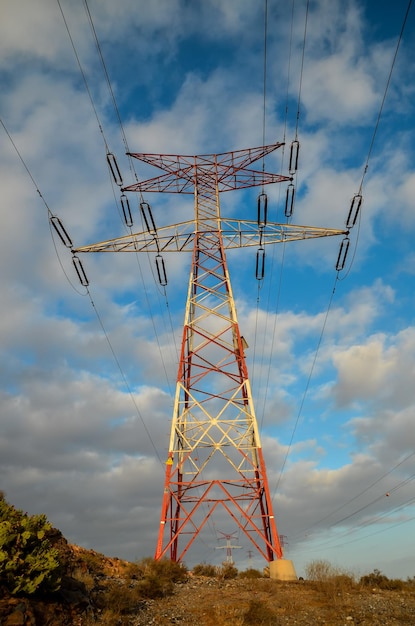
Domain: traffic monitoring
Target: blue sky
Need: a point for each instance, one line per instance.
(76, 441)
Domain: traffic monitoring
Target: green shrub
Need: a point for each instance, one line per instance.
(165, 569)
(157, 577)
(377, 579)
(204, 569)
(374, 579)
(227, 571)
(28, 563)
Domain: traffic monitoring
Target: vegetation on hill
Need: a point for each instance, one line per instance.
(44, 581)
(28, 562)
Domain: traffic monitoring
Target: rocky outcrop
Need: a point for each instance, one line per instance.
(83, 574)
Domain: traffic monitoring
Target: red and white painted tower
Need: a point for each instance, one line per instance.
(215, 460)
(215, 457)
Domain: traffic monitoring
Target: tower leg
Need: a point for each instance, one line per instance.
(282, 570)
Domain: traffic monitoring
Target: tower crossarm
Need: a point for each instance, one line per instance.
(235, 234)
(225, 171)
(229, 179)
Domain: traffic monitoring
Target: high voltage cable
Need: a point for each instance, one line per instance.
(306, 389)
(131, 165)
(363, 508)
(124, 377)
(350, 531)
(265, 395)
(124, 137)
(301, 71)
(264, 116)
(26, 167)
(364, 523)
(283, 257)
(322, 519)
(385, 94)
(288, 219)
(274, 330)
(83, 76)
(111, 91)
(369, 535)
(366, 506)
(264, 104)
(147, 299)
(50, 214)
(375, 130)
(360, 192)
(98, 46)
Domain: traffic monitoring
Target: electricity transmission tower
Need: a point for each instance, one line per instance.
(215, 460)
(229, 547)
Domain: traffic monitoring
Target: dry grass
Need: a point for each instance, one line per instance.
(151, 595)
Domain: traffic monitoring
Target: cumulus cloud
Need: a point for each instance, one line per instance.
(87, 379)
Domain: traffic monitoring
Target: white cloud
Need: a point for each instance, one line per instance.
(73, 442)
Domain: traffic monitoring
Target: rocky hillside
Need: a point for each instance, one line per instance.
(99, 590)
(85, 576)
(44, 581)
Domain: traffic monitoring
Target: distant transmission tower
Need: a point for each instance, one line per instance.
(215, 459)
(229, 547)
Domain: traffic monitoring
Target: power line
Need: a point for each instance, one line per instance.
(51, 215)
(378, 480)
(357, 195)
(372, 520)
(104, 66)
(83, 76)
(123, 376)
(326, 545)
(381, 497)
(384, 95)
(116, 109)
(26, 167)
(375, 131)
(306, 387)
(301, 71)
(264, 113)
(268, 306)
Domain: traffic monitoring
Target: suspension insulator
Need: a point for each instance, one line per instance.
(115, 170)
(125, 204)
(161, 270)
(294, 151)
(148, 218)
(262, 209)
(260, 264)
(354, 210)
(59, 228)
(341, 259)
(289, 200)
(80, 271)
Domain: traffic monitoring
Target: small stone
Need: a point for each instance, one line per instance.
(17, 618)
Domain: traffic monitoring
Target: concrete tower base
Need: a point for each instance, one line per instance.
(282, 569)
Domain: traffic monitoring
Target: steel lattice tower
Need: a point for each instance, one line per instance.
(215, 459)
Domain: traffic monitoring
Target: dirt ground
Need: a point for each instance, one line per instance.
(209, 602)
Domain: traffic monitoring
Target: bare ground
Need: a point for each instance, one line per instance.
(209, 602)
